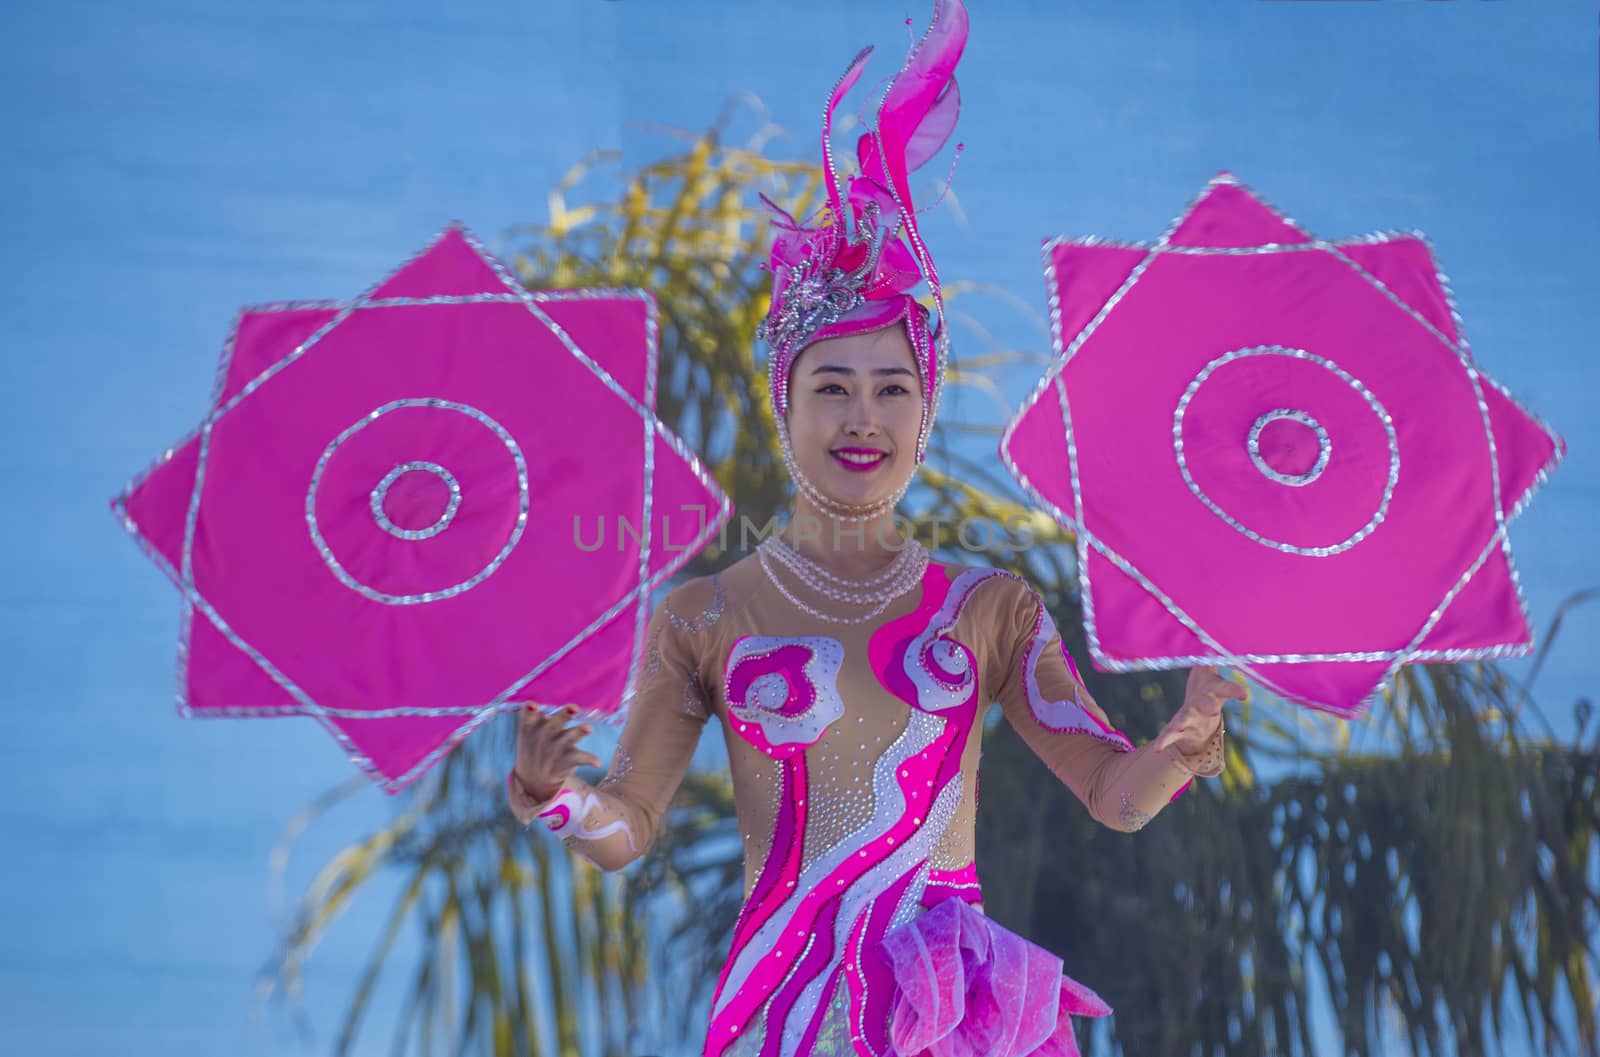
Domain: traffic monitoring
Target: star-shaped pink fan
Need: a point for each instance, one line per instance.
(1276, 453)
(410, 511)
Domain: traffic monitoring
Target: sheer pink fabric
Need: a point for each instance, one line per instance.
(966, 987)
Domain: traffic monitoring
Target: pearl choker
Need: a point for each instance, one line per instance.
(877, 594)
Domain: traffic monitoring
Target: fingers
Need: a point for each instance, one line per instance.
(1210, 681)
(572, 735)
(541, 724)
(1204, 698)
(548, 749)
(1206, 682)
(535, 716)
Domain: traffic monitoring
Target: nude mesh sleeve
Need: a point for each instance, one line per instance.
(614, 822)
(1044, 700)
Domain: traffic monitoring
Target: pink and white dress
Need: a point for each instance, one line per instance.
(854, 754)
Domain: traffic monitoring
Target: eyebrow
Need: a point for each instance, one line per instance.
(829, 368)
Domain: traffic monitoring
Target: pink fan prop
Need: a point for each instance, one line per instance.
(408, 512)
(1276, 453)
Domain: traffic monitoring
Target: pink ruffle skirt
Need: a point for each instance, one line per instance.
(965, 987)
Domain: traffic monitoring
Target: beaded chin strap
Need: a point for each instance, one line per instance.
(916, 327)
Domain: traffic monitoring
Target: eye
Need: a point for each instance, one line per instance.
(895, 389)
(831, 387)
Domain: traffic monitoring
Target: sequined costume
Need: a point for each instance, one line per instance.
(854, 755)
(851, 709)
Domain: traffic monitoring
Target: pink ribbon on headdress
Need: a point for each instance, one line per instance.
(917, 116)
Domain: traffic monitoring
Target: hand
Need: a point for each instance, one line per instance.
(1194, 724)
(547, 751)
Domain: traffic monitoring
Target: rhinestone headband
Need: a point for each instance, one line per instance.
(816, 290)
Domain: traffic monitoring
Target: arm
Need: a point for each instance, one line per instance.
(1044, 700)
(613, 823)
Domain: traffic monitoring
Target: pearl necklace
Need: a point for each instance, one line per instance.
(904, 574)
(814, 575)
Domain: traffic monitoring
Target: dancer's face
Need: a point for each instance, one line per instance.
(855, 405)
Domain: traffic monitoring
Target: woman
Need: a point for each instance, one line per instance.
(849, 672)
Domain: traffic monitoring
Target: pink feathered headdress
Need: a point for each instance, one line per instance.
(848, 270)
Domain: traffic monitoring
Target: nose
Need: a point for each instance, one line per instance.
(862, 421)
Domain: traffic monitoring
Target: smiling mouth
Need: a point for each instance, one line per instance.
(859, 460)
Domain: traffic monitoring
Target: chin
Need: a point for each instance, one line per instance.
(844, 487)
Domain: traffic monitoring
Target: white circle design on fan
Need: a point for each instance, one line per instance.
(1325, 445)
(380, 490)
(432, 530)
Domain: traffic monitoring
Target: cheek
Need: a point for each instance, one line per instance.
(822, 409)
(909, 418)
(803, 420)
